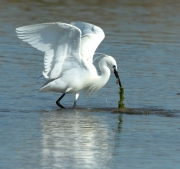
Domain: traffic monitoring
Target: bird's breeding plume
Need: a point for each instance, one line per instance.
(68, 59)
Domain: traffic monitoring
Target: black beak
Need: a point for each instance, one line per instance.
(117, 76)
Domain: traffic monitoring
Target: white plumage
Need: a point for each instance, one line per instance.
(69, 50)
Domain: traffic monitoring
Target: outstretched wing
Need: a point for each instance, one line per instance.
(91, 38)
(59, 41)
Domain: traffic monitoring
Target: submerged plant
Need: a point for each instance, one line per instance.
(121, 95)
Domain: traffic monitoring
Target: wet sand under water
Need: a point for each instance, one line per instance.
(129, 111)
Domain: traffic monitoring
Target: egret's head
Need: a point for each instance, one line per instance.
(111, 63)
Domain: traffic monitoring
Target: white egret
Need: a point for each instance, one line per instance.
(68, 60)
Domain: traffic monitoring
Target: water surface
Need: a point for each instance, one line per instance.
(143, 37)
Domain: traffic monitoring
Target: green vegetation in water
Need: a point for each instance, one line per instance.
(121, 95)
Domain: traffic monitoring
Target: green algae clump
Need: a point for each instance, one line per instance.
(121, 95)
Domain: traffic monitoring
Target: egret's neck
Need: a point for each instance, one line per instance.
(98, 82)
(105, 72)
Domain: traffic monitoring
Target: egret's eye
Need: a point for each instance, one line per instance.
(114, 66)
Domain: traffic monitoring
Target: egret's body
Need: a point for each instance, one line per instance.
(69, 50)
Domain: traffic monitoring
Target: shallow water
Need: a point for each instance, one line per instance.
(144, 38)
(88, 139)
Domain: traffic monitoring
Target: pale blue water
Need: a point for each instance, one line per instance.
(144, 38)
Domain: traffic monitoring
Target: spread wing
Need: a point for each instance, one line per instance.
(60, 42)
(91, 38)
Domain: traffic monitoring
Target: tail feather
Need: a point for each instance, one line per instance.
(46, 86)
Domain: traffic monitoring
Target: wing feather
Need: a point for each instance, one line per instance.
(91, 37)
(59, 41)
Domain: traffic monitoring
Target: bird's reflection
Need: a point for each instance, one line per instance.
(76, 138)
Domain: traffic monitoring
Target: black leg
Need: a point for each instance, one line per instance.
(58, 101)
